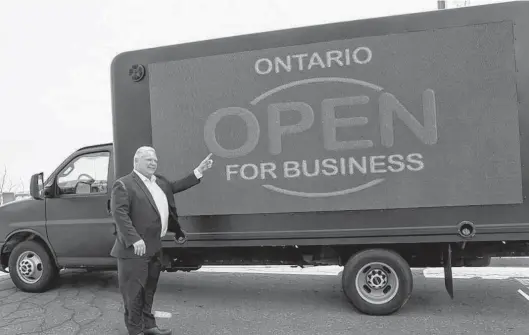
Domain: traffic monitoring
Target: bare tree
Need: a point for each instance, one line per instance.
(6, 184)
(22, 186)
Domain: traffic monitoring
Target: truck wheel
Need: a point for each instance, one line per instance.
(31, 268)
(377, 281)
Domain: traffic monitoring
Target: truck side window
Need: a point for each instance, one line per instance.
(86, 174)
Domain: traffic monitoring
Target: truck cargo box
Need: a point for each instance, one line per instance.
(394, 129)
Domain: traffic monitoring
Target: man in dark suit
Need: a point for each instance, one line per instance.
(144, 209)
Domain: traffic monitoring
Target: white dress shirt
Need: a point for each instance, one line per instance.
(159, 198)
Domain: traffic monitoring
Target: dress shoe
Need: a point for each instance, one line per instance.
(157, 331)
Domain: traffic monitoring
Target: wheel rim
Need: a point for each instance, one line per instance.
(377, 283)
(29, 267)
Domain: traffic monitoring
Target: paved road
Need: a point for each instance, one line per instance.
(510, 261)
(271, 303)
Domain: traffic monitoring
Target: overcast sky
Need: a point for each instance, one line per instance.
(55, 59)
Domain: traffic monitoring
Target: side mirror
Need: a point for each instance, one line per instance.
(36, 186)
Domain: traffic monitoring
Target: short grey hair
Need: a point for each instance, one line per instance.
(141, 151)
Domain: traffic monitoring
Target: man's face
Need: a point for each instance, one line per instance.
(147, 163)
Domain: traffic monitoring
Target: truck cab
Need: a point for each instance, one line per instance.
(66, 223)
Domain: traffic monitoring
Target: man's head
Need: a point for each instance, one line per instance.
(145, 161)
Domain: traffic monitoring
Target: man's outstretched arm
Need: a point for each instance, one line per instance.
(187, 182)
(194, 178)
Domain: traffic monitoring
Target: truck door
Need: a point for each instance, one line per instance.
(78, 222)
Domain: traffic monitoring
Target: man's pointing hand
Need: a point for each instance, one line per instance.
(205, 164)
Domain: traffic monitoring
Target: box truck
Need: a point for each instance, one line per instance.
(378, 145)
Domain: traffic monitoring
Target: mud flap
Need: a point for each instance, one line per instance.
(449, 283)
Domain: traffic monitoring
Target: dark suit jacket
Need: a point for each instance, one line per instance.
(136, 216)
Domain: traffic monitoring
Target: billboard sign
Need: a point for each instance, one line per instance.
(418, 119)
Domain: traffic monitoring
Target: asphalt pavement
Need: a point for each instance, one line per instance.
(273, 300)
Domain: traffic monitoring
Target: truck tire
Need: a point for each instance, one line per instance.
(377, 281)
(31, 267)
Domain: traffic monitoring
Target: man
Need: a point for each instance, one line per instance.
(144, 209)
